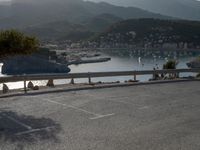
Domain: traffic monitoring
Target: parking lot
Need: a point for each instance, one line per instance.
(142, 117)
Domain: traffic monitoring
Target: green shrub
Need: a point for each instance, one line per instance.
(13, 42)
(171, 64)
(198, 75)
(198, 58)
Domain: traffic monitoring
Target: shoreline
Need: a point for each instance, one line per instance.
(98, 60)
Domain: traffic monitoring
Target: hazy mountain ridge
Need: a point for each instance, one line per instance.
(25, 13)
(55, 19)
(64, 29)
(186, 9)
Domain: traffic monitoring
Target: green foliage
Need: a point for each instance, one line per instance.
(198, 58)
(198, 75)
(171, 64)
(13, 42)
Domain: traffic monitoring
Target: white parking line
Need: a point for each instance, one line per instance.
(97, 116)
(144, 107)
(34, 130)
(102, 116)
(112, 99)
(73, 107)
(18, 122)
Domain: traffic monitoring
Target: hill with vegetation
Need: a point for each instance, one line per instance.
(61, 18)
(72, 31)
(152, 33)
(25, 13)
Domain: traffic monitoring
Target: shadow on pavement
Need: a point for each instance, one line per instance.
(17, 128)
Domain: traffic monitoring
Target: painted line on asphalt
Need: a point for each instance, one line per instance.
(34, 130)
(73, 107)
(18, 122)
(96, 116)
(102, 116)
(144, 107)
(112, 99)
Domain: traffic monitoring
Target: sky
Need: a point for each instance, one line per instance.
(90, 0)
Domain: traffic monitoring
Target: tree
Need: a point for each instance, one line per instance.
(13, 43)
(171, 64)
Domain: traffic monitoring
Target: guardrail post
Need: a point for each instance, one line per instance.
(89, 78)
(25, 89)
(177, 75)
(5, 89)
(72, 81)
(135, 77)
(154, 74)
(50, 83)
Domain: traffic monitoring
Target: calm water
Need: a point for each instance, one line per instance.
(127, 63)
(122, 62)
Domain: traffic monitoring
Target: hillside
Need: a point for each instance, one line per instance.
(101, 22)
(25, 13)
(54, 30)
(186, 9)
(72, 31)
(152, 33)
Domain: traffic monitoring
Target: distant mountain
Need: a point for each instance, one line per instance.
(52, 30)
(100, 22)
(186, 9)
(152, 33)
(25, 13)
(66, 30)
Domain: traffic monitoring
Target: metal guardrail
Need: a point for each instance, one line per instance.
(89, 75)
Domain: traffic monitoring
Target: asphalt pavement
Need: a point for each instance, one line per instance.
(142, 117)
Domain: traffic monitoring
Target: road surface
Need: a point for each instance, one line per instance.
(143, 117)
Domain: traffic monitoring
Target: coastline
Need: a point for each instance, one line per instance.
(97, 60)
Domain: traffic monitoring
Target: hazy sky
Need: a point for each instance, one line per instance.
(90, 0)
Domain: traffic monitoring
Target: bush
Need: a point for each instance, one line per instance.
(13, 42)
(197, 59)
(198, 75)
(171, 64)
